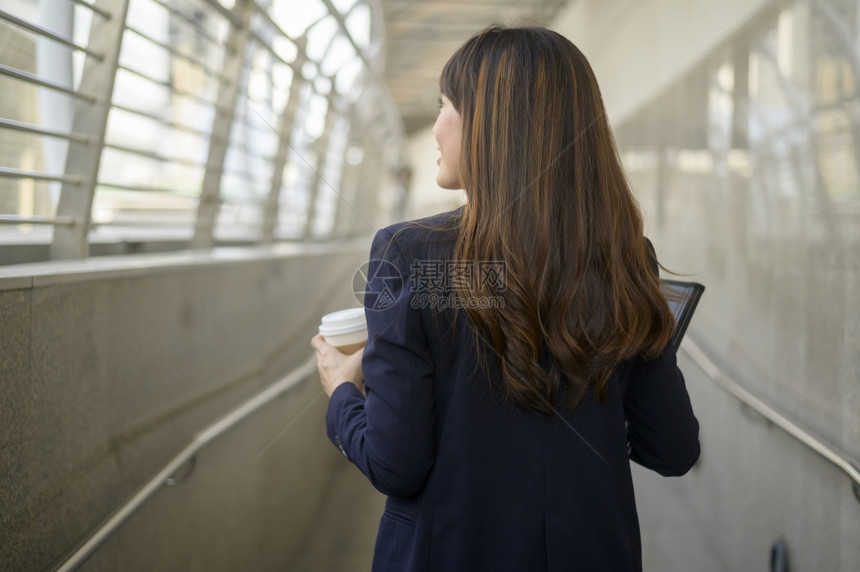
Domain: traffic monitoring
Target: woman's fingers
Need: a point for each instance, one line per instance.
(318, 342)
(335, 367)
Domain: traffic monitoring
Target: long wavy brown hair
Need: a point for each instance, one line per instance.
(547, 196)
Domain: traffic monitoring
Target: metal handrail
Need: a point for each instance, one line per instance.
(838, 458)
(167, 86)
(46, 33)
(16, 219)
(162, 121)
(194, 60)
(143, 189)
(153, 155)
(36, 80)
(39, 176)
(144, 223)
(39, 130)
(165, 477)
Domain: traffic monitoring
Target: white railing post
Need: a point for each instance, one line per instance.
(89, 119)
(285, 133)
(322, 152)
(234, 69)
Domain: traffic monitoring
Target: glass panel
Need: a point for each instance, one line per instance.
(319, 38)
(139, 190)
(358, 24)
(339, 53)
(152, 169)
(329, 191)
(295, 17)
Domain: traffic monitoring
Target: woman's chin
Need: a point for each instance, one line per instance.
(447, 183)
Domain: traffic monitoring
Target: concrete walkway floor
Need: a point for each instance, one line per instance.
(345, 531)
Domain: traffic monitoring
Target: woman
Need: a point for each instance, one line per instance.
(518, 346)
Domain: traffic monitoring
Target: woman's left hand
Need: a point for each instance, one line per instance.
(335, 367)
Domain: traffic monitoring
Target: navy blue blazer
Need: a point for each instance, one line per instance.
(474, 482)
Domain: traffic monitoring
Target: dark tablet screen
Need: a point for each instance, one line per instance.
(683, 298)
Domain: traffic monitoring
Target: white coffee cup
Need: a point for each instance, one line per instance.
(345, 329)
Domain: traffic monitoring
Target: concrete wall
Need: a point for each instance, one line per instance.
(109, 367)
(768, 220)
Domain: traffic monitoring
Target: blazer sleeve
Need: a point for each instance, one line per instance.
(389, 435)
(662, 430)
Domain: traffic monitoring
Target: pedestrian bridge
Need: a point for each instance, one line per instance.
(187, 186)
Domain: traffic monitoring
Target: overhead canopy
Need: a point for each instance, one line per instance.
(421, 36)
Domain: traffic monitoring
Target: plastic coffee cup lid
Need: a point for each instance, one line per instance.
(343, 322)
